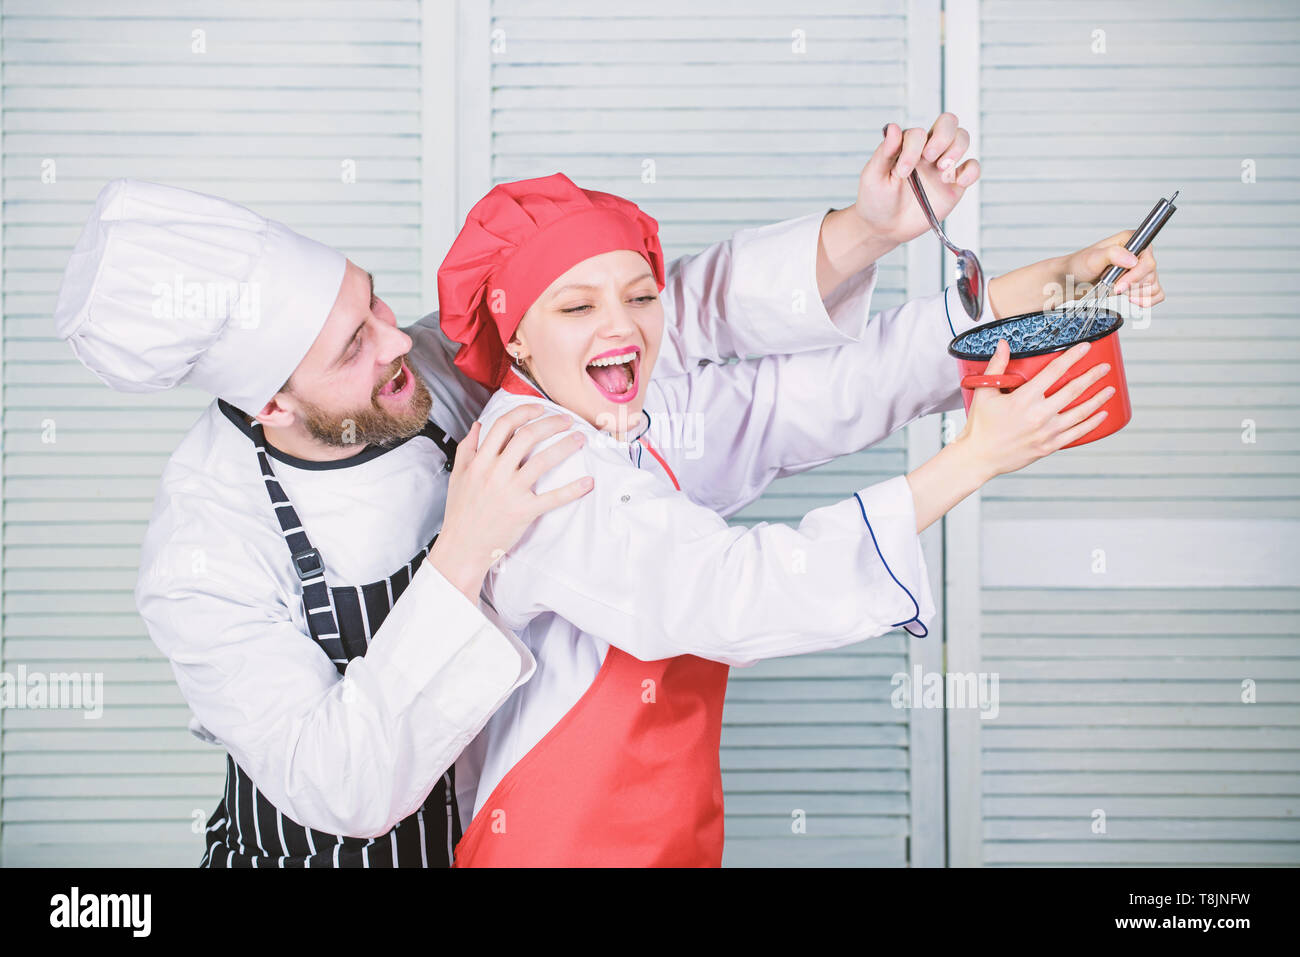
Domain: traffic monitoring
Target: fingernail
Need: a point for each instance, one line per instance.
(1104, 367)
(945, 163)
(588, 482)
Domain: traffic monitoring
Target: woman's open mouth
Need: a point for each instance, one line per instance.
(615, 373)
(399, 386)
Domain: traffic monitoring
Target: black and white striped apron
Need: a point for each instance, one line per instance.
(247, 830)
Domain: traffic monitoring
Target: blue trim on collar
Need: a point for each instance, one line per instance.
(637, 437)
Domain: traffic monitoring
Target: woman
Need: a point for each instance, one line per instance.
(637, 598)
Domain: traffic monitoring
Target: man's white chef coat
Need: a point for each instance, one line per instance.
(354, 755)
(659, 573)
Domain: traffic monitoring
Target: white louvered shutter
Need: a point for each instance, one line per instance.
(1131, 587)
(285, 94)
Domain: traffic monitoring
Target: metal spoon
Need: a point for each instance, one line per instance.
(970, 276)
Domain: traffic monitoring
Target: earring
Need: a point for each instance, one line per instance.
(518, 362)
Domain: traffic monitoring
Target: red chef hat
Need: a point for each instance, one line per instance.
(515, 242)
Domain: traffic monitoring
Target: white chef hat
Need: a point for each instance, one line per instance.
(166, 285)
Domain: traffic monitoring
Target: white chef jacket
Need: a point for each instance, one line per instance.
(658, 572)
(354, 755)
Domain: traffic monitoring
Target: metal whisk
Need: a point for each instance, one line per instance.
(1140, 240)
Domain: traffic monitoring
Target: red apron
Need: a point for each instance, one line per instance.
(629, 777)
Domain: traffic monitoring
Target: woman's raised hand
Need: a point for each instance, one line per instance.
(885, 201)
(490, 497)
(1005, 432)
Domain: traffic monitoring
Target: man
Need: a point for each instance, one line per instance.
(313, 563)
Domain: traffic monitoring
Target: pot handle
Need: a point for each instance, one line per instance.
(1005, 380)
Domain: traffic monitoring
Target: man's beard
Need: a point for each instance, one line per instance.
(372, 424)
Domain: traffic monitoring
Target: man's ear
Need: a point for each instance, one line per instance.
(281, 412)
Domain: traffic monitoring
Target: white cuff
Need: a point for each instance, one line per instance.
(433, 635)
(849, 306)
(889, 512)
(775, 283)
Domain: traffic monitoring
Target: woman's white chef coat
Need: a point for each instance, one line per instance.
(216, 589)
(659, 573)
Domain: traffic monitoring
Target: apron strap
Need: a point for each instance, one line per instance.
(306, 559)
(442, 440)
(645, 440)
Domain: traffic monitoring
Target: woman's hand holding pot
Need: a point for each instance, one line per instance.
(1007, 431)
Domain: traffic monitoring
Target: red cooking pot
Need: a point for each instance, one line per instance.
(1036, 338)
